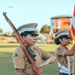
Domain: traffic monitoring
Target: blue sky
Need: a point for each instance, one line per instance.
(27, 11)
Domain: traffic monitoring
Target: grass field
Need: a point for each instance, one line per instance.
(6, 64)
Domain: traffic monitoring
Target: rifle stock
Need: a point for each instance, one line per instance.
(21, 41)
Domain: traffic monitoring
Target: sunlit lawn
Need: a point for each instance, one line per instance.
(6, 64)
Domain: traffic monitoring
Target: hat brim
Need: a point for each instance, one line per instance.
(65, 36)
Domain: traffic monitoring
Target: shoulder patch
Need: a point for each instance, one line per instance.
(58, 49)
(15, 55)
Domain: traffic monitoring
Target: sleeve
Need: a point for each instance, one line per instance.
(45, 55)
(59, 51)
(18, 58)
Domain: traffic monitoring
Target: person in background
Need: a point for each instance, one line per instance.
(21, 63)
(63, 54)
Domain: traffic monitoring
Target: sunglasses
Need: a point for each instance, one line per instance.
(34, 34)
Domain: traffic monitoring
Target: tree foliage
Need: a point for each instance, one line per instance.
(45, 29)
(1, 30)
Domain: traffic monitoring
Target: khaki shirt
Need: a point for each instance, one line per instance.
(62, 59)
(20, 60)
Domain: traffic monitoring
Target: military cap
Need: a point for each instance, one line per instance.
(29, 28)
(63, 33)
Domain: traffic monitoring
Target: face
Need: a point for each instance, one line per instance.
(64, 41)
(30, 39)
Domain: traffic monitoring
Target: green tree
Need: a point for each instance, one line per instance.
(45, 29)
(1, 30)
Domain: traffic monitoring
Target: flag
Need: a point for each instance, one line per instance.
(73, 35)
(73, 25)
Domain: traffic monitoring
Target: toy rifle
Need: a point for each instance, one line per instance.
(36, 69)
